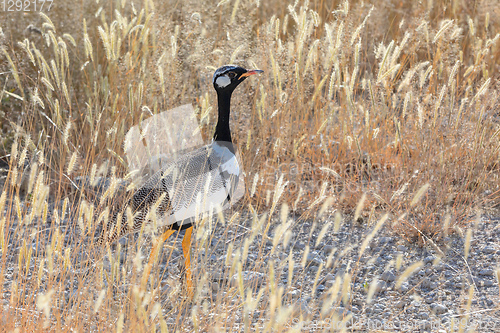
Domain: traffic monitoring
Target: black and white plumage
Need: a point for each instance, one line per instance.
(194, 183)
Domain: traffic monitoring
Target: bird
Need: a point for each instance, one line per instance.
(195, 182)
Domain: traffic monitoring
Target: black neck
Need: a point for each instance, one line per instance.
(222, 131)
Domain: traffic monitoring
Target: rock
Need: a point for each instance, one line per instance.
(488, 249)
(429, 300)
(423, 315)
(300, 309)
(378, 308)
(416, 303)
(320, 288)
(358, 301)
(313, 269)
(486, 272)
(426, 325)
(401, 248)
(283, 256)
(404, 287)
(341, 312)
(438, 308)
(329, 276)
(218, 276)
(328, 249)
(488, 283)
(425, 284)
(250, 279)
(439, 267)
(294, 294)
(364, 259)
(338, 313)
(384, 240)
(299, 246)
(400, 304)
(388, 276)
(313, 259)
(429, 259)
(381, 286)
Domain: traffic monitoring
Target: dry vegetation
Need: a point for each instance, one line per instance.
(394, 106)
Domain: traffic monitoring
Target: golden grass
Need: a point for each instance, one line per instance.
(367, 109)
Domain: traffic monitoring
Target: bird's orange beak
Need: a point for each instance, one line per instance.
(252, 72)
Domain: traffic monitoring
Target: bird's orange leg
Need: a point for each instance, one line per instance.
(152, 256)
(186, 249)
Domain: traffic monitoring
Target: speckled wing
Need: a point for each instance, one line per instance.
(191, 185)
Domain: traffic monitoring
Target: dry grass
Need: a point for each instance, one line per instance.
(394, 106)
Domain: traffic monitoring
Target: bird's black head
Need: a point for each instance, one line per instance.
(228, 77)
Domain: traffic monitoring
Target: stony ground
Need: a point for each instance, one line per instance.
(433, 299)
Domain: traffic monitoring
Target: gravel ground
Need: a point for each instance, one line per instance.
(433, 299)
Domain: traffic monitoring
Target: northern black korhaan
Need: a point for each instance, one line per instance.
(196, 182)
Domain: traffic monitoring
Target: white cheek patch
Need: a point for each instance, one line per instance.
(222, 81)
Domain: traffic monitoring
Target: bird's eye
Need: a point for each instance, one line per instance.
(231, 75)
